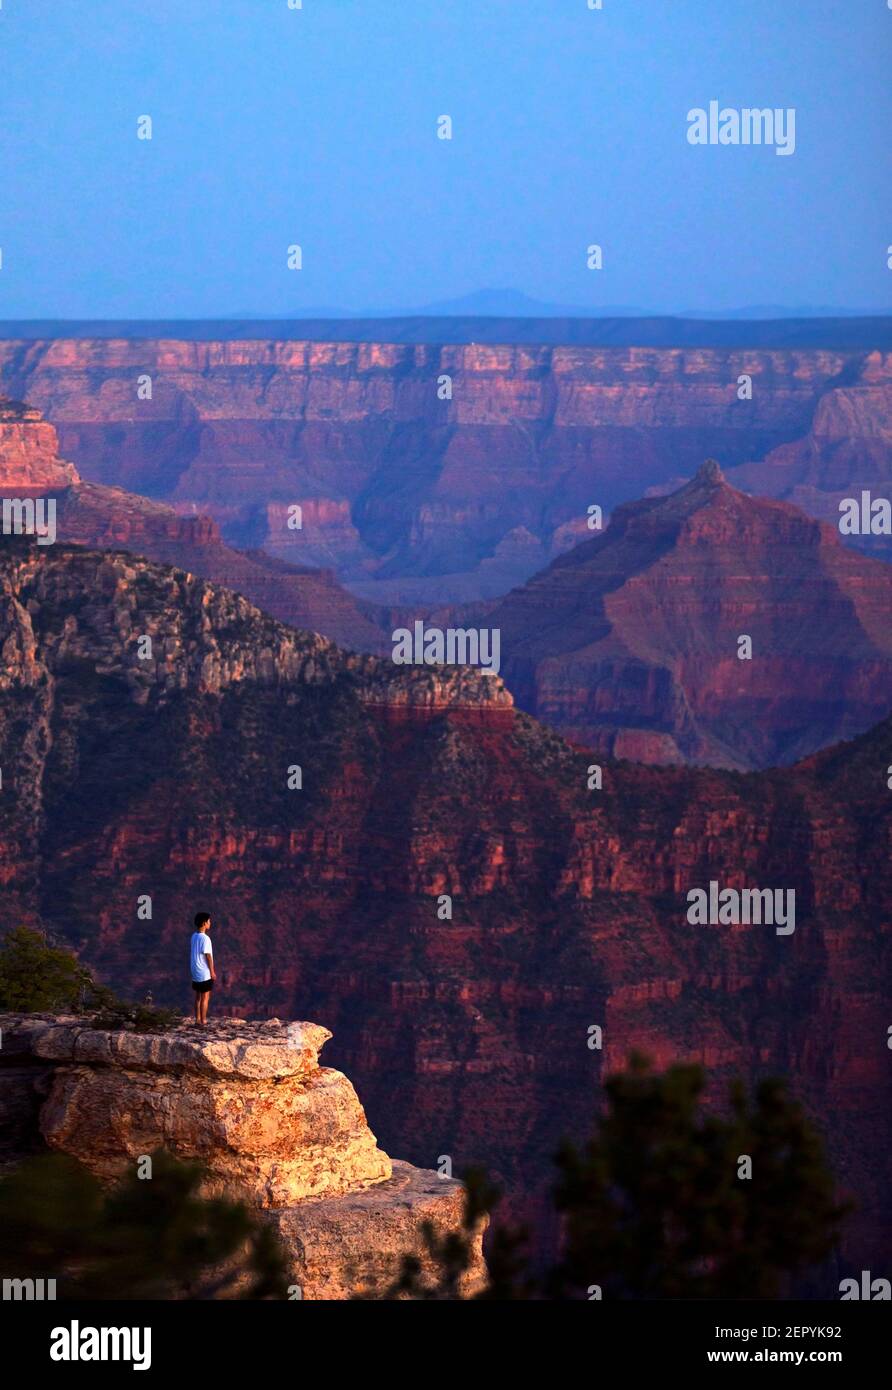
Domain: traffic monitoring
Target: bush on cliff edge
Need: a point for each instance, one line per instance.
(37, 977)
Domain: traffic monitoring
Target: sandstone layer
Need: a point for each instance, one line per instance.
(270, 1125)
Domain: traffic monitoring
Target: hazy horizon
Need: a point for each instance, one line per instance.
(321, 128)
(506, 303)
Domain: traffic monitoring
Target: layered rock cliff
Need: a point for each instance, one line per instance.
(399, 481)
(847, 448)
(446, 888)
(271, 1127)
(111, 518)
(630, 642)
(29, 452)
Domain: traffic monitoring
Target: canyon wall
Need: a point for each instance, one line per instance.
(442, 888)
(110, 517)
(250, 1101)
(627, 643)
(407, 494)
(847, 448)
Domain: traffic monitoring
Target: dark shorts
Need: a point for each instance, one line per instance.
(202, 986)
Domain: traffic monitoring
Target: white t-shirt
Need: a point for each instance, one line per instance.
(200, 947)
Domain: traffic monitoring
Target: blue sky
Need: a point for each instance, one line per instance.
(318, 126)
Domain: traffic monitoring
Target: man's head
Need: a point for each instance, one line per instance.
(202, 921)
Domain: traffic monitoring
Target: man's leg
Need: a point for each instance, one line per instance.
(197, 1007)
(205, 1000)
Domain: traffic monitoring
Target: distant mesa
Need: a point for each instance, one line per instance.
(626, 643)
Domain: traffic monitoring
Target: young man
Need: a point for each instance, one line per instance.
(201, 961)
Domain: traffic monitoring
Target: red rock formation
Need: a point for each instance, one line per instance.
(466, 1036)
(407, 486)
(108, 517)
(847, 448)
(29, 452)
(629, 642)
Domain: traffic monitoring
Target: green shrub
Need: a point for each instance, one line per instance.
(36, 977)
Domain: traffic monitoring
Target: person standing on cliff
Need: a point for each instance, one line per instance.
(201, 963)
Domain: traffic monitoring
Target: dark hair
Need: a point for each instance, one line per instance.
(201, 918)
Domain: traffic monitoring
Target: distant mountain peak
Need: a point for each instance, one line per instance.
(710, 473)
(672, 508)
(629, 642)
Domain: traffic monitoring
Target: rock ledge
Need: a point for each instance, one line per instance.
(251, 1101)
